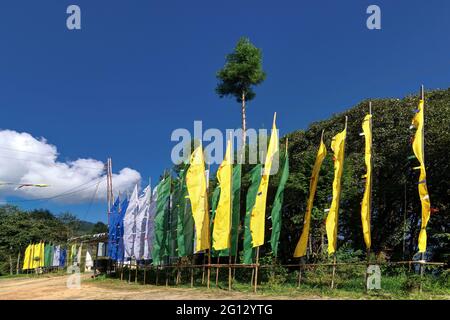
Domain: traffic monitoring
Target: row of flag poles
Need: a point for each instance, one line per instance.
(175, 218)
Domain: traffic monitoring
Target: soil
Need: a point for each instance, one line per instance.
(46, 287)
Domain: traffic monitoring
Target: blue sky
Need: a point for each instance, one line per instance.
(139, 69)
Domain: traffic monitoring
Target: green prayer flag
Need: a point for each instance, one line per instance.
(160, 247)
(214, 202)
(48, 255)
(276, 208)
(184, 223)
(255, 177)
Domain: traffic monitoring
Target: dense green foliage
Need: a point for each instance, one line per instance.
(242, 71)
(18, 228)
(395, 194)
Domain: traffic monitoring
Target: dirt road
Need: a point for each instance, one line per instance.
(55, 288)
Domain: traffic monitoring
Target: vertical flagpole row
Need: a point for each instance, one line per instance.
(210, 244)
(256, 270)
(231, 215)
(370, 195)
(422, 255)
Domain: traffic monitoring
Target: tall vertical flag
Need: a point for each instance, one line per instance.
(141, 223)
(277, 203)
(367, 197)
(418, 148)
(235, 211)
(150, 227)
(223, 216)
(28, 258)
(258, 215)
(338, 147)
(120, 230)
(160, 249)
(185, 223)
(302, 244)
(112, 230)
(255, 180)
(214, 201)
(41, 254)
(197, 190)
(129, 224)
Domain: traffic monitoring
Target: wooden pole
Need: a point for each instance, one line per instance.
(192, 270)
(136, 273)
(209, 268)
(367, 267)
(299, 274)
(177, 281)
(370, 196)
(157, 275)
(229, 272)
(231, 221)
(10, 265)
(129, 272)
(422, 256)
(145, 271)
(217, 272)
(167, 276)
(210, 244)
(256, 270)
(334, 271)
(18, 262)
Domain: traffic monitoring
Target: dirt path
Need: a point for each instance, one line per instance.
(55, 288)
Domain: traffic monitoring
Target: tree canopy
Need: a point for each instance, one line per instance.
(18, 228)
(242, 71)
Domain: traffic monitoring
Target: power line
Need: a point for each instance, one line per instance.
(71, 191)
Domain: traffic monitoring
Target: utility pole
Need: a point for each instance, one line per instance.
(109, 190)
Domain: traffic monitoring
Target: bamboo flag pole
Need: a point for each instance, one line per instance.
(370, 193)
(256, 270)
(422, 97)
(334, 271)
(334, 255)
(217, 271)
(239, 227)
(257, 249)
(231, 217)
(210, 244)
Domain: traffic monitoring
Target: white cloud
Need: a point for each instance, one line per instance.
(26, 159)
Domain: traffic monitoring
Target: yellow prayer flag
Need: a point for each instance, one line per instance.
(36, 255)
(258, 214)
(222, 219)
(418, 148)
(366, 202)
(338, 147)
(302, 244)
(28, 258)
(197, 190)
(41, 254)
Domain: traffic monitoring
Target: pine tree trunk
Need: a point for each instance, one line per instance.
(244, 125)
(18, 263)
(10, 266)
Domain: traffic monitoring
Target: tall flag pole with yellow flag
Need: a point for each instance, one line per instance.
(366, 204)
(300, 250)
(197, 191)
(338, 147)
(258, 213)
(418, 147)
(222, 219)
